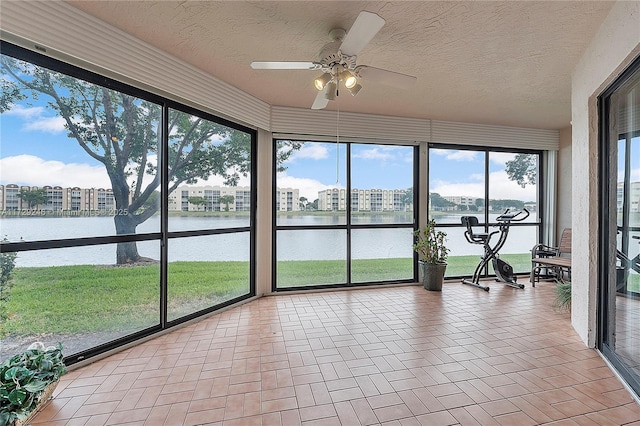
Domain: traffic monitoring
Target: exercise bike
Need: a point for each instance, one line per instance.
(623, 266)
(504, 271)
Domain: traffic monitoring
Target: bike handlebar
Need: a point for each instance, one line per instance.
(509, 216)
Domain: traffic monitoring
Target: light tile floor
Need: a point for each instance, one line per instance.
(395, 355)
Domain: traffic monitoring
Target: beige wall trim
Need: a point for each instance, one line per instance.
(70, 35)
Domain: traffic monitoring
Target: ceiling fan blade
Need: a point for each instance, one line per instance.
(285, 65)
(321, 101)
(390, 78)
(365, 27)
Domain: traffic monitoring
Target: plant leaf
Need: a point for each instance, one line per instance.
(35, 386)
(17, 396)
(5, 418)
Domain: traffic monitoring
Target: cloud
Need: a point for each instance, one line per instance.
(309, 188)
(501, 157)
(35, 119)
(314, 151)
(34, 171)
(217, 180)
(374, 154)
(25, 113)
(500, 187)
(460, 155)
(47, 124)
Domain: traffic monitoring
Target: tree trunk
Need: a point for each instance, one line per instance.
(126, 253)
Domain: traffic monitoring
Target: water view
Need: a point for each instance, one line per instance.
(326, 246)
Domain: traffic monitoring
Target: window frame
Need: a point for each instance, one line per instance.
(348, 226)
(163, 235)
(485, 223)
(605, 195)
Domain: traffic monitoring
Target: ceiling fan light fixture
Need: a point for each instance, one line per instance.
(354, 89)
(321, 81)
(348, 79)
(332, 91)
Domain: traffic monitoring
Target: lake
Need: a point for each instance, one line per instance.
(292, 245)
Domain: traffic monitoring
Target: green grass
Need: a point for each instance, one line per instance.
(88, 298)
(319, 272)
(465, 265)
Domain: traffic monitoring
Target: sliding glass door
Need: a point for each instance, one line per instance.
(619, 265)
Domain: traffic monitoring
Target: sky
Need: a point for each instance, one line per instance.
(35, 150)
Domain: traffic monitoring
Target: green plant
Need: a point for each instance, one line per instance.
(7, 263)
(429, 244)
(563, 295)
(24, 377)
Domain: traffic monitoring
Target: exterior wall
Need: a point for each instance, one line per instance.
(287, 200)
(59, 199)
(610, 51)
(563, 202)
(179, 198)
(376, 200)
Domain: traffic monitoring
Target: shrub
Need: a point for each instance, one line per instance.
(24, 377)
(7, 263)
(563, 295)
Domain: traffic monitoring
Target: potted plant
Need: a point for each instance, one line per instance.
(432, 253)
(562, 300)
(27, 381)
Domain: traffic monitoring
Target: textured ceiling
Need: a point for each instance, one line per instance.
(506, 63)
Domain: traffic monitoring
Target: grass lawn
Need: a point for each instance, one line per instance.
(88, 298)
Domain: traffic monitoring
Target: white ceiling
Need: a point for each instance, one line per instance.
(504, 62)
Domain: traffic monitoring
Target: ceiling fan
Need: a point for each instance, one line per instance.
(337, 61)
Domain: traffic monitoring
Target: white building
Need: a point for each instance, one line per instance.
(58, 199)
(375, 200)
(210, 198)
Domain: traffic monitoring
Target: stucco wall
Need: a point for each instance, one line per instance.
(563, 203)
(614, 46)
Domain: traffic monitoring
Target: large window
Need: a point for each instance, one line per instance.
(484, 183)
(620, 224)
(351, 217)
(123, 212)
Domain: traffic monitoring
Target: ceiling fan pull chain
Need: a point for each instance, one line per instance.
(338, 146)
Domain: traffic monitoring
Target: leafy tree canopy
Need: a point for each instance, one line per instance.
(124, 133)
(198, 201)
(33, 197)
(523, 169)
(438, 201)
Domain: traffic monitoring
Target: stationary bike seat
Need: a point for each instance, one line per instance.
(470, 222)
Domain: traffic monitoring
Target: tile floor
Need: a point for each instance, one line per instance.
(396, 356)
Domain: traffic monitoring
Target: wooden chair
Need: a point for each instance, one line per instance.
(555, 260)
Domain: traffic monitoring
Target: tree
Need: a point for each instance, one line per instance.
(407, 198)
(303, 203)
(523, 169)
(33, 197)
(501, 205)
(197, 201)
(438, 202)
(7, 264)
(226, 200)
(124, 133)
